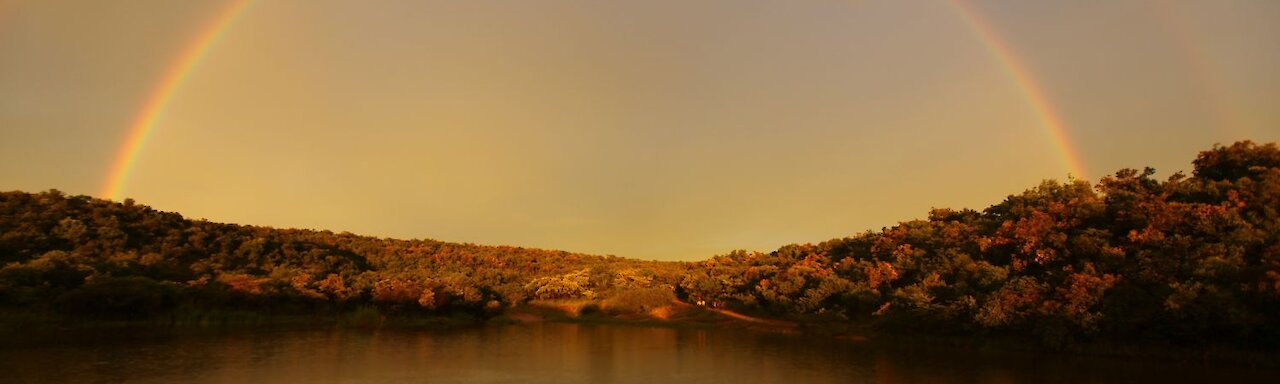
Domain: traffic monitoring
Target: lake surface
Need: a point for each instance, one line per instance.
(549, 353)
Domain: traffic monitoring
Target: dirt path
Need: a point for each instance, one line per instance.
(753, 319)
(739, 316)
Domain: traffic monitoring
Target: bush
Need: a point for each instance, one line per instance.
(639, 300)
(126, 297)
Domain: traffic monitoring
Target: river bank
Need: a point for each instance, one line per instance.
(18, 328)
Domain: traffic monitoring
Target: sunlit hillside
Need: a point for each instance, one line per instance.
(1189, 259)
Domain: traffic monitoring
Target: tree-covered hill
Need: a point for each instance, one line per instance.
(86, 256)
(1189, 259)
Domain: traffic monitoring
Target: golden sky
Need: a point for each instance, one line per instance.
(649, 129)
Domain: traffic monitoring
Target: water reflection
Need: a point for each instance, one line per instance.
(545, 353)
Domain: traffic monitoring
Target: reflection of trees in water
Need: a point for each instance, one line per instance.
(558, 353)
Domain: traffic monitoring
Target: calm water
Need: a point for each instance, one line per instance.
(549, 353)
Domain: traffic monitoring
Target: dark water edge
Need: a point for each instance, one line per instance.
(550, 352)
(21, 328)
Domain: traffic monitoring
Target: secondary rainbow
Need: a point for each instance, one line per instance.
(144, 123)
(1032, 90)
(1204, 72)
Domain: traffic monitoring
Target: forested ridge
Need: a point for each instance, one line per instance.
(1188, 259)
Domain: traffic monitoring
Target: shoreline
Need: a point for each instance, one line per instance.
(22, 328)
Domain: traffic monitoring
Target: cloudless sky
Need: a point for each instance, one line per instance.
(651, 129)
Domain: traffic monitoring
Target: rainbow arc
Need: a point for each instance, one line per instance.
(1040, 103)
(145, 122)
(161, 96)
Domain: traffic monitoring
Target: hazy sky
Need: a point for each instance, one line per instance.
(651, 129)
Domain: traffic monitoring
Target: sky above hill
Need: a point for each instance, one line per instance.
(648, 129)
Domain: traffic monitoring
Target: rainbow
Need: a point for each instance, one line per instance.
(144, 123)
(162, 94)
(1035, 95)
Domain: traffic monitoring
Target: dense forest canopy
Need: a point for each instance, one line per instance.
(1188, 259)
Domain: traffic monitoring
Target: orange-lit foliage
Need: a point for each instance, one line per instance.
(1186, 259)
